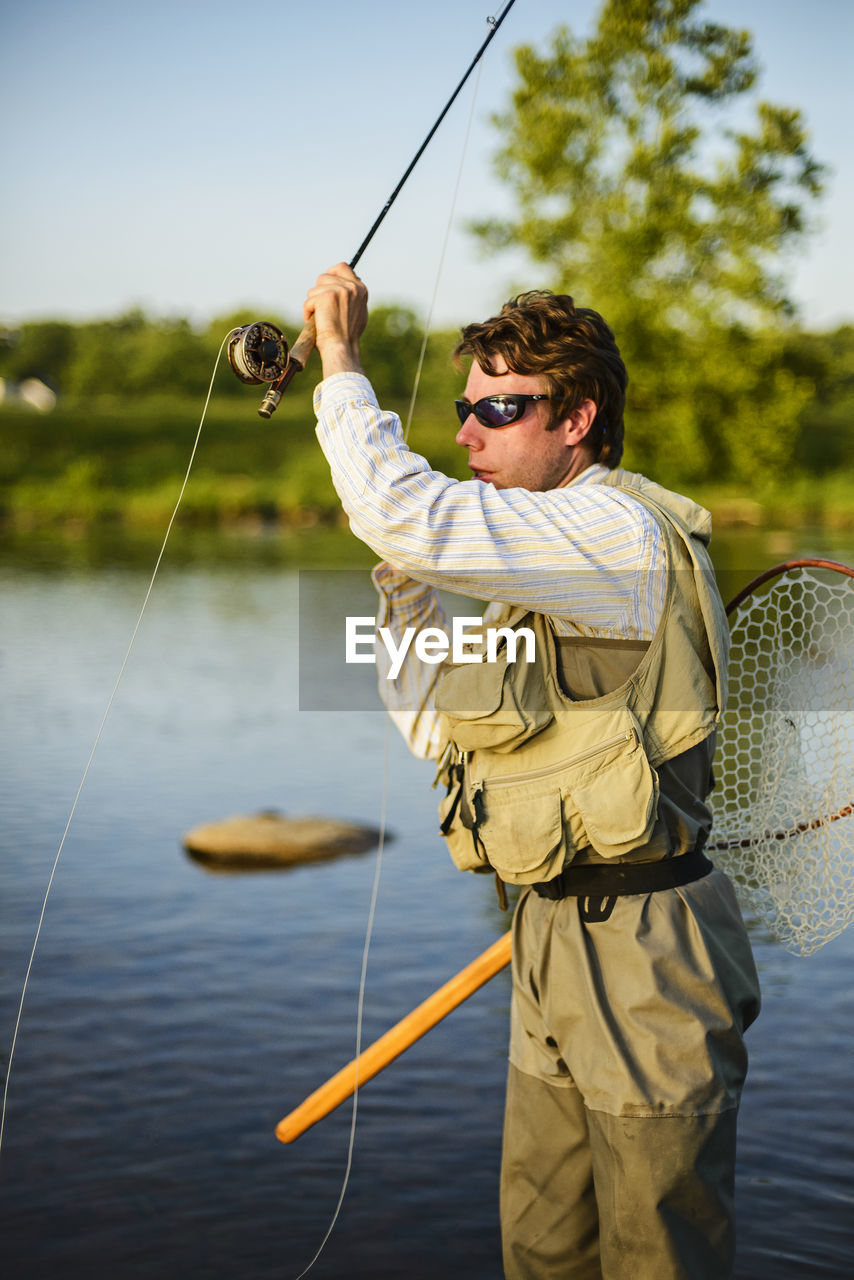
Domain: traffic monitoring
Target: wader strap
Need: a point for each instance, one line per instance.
(594, 910)
(604, 882)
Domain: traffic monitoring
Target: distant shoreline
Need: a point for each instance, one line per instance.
(120, 465)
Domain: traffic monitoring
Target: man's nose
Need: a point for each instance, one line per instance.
(470, 434)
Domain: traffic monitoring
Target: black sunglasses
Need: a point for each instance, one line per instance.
(496, 411)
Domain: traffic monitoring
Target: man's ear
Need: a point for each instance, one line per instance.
(576, 427)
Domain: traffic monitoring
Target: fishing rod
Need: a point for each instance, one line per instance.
(259, 352)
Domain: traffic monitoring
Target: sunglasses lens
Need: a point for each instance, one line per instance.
(499, 411)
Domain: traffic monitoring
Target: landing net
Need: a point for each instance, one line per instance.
(783, 803)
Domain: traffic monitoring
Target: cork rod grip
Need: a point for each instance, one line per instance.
(304, 344)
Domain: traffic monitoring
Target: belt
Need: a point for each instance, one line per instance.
(616, 880)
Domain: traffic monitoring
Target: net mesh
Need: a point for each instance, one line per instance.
(783, 803)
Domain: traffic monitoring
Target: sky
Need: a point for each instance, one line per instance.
(193, 156)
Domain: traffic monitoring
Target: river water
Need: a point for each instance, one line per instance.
(174, 1015)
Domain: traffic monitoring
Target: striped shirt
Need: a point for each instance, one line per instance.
(586, 555)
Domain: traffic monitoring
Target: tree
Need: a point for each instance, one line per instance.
(390, 348)
(825, 442)
(167, 357)
(644, 202)
(39, 349)
(103, 356)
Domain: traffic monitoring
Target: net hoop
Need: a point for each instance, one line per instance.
(768, 574)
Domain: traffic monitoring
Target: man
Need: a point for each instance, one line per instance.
(580, 775)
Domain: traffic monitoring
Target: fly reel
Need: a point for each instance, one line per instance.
(258, 353)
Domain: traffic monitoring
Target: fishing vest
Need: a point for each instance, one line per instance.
(597, 750)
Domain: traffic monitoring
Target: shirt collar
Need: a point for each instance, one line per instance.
(590, 475)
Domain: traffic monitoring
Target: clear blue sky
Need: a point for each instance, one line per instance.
(196, 155)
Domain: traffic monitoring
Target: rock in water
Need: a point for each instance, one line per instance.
(272, 839)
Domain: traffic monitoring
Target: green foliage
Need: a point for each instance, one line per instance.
(135, 356)
(39, 349)
(127, 356)
(826, 438)
(642, 203)
(390, 349)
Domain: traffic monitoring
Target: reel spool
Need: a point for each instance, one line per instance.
(258, 353)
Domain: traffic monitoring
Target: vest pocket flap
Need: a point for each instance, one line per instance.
(523, 833)
(471, 691)
(493, 705)
(618, 804)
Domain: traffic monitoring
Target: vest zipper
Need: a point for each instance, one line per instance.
(509, 779)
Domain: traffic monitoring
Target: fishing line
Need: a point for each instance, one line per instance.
(385, 770)
(361, 1002)
(100, 733)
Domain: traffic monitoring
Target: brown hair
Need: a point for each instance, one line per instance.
(572, 347)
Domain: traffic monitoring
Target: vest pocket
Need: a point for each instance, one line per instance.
(521, 828)
(493, 705)
(618, 805)
(604, 795)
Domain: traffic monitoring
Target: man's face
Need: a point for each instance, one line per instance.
(524, 454)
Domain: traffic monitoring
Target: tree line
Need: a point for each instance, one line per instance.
(138, 355)
(101, 363)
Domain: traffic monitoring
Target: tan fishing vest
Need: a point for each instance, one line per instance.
(596, 750)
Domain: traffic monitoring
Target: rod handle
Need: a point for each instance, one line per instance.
(305, 344)
(297, 360)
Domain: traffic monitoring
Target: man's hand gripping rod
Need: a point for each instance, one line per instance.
(258, 352)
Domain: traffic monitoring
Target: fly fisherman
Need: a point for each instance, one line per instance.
(580, 775)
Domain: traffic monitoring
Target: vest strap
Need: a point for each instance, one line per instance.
(624, 878)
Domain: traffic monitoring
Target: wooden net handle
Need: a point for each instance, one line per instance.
(416, 1024)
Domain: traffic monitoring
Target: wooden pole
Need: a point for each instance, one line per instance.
(416, 1024)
